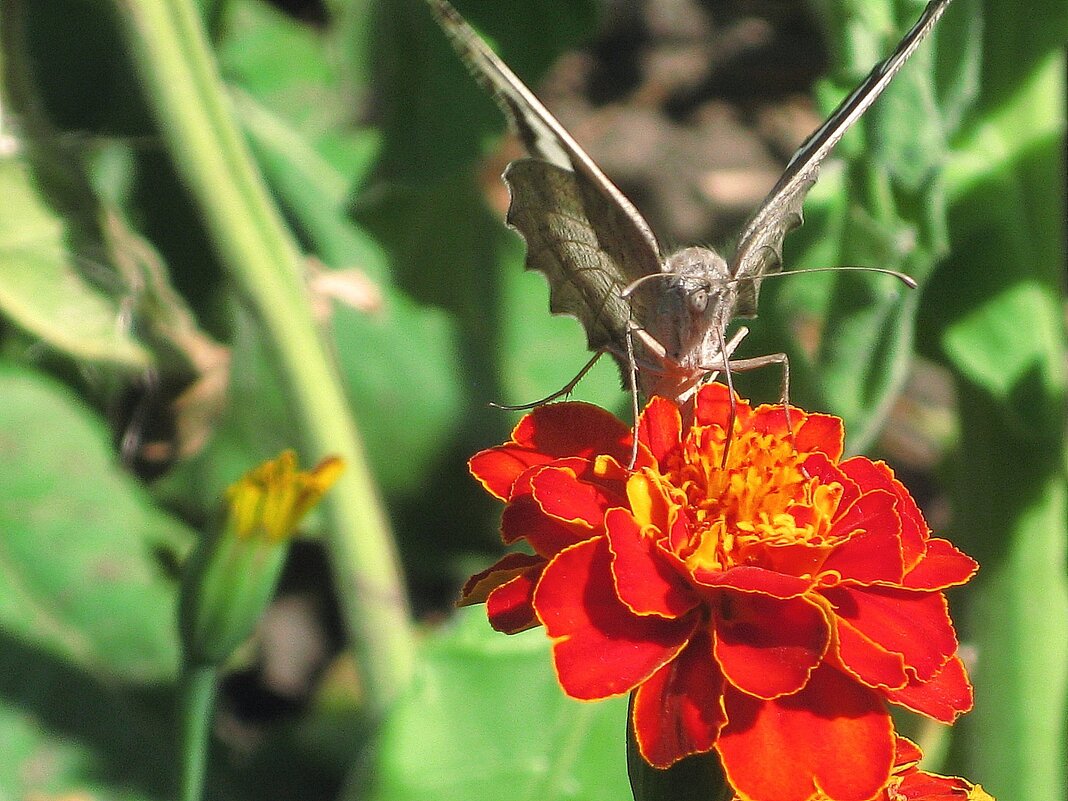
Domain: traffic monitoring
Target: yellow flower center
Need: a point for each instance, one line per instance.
(760, 508)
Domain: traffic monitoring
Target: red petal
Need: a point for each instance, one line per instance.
(878, 475)
(942, 566)
(660, 428)
(872, 550)
(645, 579)
(834, 737)
(714, 407)
(813, 433)
(523, 518)
(906, 753)
(678, 711)
(821, 433)
(573, 429)
(913, 624)
(586, 470)
(547, 433)
(579, 466)
(601, 648)
(920, 786)
(943, 698)
(819, 466)
(869, 661)
(769, 647)
(497, 468)
(509, 606)
(561, 494)
(754, 579)
(480, 585)
(874, 510)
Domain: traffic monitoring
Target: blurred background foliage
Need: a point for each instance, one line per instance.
(137, 380)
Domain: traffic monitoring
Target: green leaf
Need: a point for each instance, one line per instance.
(884, 208)
(303, 86)
(401, 369)
(1007, 267)
(314, 191)
(79, 571)
(436, 118)
(255, 33)
(87, 614)
(65, 732)
(43, 287)
(487, 720)
(995, 316)
(540, 352)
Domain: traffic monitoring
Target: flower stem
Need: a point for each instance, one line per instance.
(194, 117)
(196, 703)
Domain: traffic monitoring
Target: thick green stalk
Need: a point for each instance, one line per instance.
(196, 704)
(182, 84)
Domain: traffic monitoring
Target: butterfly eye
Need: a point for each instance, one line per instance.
(699, 301)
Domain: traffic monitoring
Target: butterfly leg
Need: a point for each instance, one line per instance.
(632, 366)
(729, 366)
(566, 389)
(758, 362)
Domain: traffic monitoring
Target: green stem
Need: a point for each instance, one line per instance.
(197, 702)
(194, 115)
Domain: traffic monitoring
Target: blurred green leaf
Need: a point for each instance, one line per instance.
(67, 733)
(306, 89)
(80, 577)
(43, 287)
(995, 315)
(540, 352)
(885, 208)
(256, 32)
(487, 720)
(314, 191)
(402, 373)
(436, 118)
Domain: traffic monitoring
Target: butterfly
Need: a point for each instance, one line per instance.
(662, 318)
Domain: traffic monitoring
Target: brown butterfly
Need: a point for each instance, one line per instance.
(663, 319)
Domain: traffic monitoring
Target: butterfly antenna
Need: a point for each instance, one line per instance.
(907, 280)
(567, 389)
(629, 289)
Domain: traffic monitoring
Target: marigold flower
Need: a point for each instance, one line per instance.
(765, 607)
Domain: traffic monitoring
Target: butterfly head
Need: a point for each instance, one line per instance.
(698, 295)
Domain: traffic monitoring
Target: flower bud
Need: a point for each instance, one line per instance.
(231, 575)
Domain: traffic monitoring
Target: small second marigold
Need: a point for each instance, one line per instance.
(765, 607)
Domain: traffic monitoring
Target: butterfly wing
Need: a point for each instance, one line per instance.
(581, 231)
(571, 237)
(760, 247)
